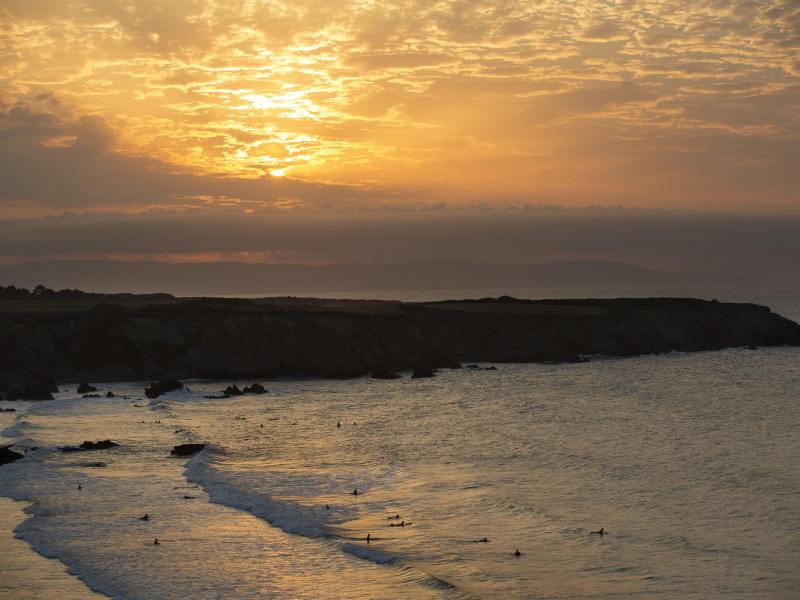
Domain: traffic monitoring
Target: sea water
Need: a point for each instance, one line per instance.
(688, 461)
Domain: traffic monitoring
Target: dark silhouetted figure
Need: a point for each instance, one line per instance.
(327, 507)
(355, 492)
(601, 532)
(517, 553)
(394, 517)
(156, 542)
(80, 487)
(338, 423)
(482, 540)
(369, 535)
(400, 524)
(146, 517)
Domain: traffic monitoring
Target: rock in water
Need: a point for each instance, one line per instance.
(87, 445)
(187, 449)
(29, 391)
(162, 387)
(233, 390)
(422, 373)
(101, 445)
(85, 388)
(7, 455)
(385, 374)
(255, 388)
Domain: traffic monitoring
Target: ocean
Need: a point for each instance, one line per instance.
(687, 461)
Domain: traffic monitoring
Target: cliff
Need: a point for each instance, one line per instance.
(212, 338)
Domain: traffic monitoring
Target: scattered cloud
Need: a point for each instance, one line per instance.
(133, 103)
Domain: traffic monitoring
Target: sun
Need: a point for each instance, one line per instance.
(278, 172)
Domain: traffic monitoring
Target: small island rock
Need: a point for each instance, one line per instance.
(255, 388)
(422, 372)
(162, 387)
(7, 455)
(187, 449)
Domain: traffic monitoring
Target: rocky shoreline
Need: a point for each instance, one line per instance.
(107, 340)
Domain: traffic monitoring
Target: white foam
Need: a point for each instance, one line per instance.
(288, 516)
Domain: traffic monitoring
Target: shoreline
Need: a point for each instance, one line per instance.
(27, 575)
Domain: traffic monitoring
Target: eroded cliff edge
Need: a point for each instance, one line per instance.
(214, 338)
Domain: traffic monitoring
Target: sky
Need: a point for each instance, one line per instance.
(130, 114)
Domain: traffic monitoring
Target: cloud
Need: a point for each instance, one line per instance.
(593, 98)
(396, 60)
(50, 162)
(605, 31)
(504, 101)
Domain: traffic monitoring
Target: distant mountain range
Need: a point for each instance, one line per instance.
(231, 278)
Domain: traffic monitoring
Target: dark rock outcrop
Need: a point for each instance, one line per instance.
(187, 449)
(423, 373)
(87, 445)
(29, 390)
(233, 390)
(255, 388)
(385, 374)
(163, 386)
(101, 445)
(242, 339)
(85, 388)
(7, 455)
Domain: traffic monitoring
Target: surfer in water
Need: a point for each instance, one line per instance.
(355, 492)
(517, 552)
(400, 524)
(601, 532)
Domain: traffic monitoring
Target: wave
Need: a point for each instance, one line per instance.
(294, 518)
(365, 553)
(288, 516)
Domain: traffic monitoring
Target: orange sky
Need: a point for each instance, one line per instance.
(129, 105)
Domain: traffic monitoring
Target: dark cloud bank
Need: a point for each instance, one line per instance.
(741, 247)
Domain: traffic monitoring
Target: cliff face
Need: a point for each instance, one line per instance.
(259, 339)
